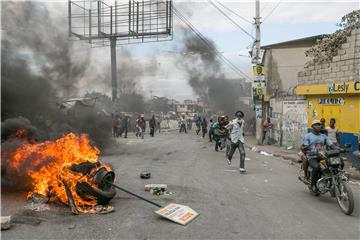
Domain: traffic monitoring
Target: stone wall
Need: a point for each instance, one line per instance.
(344, 67)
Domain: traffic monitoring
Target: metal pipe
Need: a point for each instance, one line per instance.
(99, 18)
(113, 68)
(111, 20)
(69, 13)
(135, 195)
(90, 26)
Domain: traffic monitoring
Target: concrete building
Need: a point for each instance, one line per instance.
(282, 62)
(188, 107)
(332, 90)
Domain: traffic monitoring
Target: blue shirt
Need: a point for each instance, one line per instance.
(316, 142)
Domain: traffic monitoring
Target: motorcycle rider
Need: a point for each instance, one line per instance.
(314, 141)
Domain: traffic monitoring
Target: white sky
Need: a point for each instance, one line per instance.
(289, 20)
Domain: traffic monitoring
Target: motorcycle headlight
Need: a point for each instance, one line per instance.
(334, 161)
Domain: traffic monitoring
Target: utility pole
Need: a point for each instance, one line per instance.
(258, 64)
(257, 26)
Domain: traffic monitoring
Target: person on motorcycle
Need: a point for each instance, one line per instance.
(313, 142)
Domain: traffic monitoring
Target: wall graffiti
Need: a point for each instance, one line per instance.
(294, 122)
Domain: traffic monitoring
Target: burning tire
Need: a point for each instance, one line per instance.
(84, 190)
(101, 190)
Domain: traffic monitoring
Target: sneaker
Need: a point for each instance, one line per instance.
(242, 170)
(228, 161)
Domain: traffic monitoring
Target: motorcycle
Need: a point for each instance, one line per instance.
(333, 179)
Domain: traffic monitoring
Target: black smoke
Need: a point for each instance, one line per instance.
(206, 76)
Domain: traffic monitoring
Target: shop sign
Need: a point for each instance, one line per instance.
(346, 87)
(333, 88)
(331, 101)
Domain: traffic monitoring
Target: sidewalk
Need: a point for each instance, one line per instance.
(291, 154)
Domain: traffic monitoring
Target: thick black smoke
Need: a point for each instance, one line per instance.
(207, 79)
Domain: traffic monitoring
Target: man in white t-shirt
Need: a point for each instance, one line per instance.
(333, 132)
(236, 128)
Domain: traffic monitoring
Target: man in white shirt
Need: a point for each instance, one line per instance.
(332, 131)
(236, 128)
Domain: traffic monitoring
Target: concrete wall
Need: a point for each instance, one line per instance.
(289, 118)
(282, 67)
(343, 68)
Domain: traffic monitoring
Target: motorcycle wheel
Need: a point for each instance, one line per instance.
(344, 197)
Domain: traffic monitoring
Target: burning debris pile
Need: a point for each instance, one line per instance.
(65, 170)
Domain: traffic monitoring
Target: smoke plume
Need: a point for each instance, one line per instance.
(206, 76)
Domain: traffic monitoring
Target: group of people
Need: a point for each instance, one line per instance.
(120, 125)
(140, 126)
(226, 134)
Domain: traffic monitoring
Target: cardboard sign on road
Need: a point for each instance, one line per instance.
(177, 213)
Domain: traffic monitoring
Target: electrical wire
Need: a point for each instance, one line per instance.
(230, 19)
(277, 5)
(232, 11)
(208, 44)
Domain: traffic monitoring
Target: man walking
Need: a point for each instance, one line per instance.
(236, 128)
(203, 127)
(182, 124)
(198, 124)
(152, 123)
(125, 125)
(211, 130)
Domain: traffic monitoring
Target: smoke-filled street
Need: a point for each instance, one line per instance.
(267, 202)
(164, 119)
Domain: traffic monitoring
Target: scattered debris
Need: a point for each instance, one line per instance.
(266, 180)
(38, 198)
(5, 222)
(38, 207)
(101, 209)
(266, 154)
(254, 149)
(290, 147)
(145, 175)
(168, 193)
(162, 187)
(72, 226)
(247, 159)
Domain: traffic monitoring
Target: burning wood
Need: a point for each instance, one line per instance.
(65, 170)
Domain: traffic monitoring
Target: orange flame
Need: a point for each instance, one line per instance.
(48, 164)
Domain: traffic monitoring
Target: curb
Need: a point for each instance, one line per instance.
(352, 174)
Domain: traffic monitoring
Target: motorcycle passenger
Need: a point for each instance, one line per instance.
(313, 142)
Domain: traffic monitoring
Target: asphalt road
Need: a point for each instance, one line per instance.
(266, 203)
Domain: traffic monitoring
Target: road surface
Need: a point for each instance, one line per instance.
(266, 203)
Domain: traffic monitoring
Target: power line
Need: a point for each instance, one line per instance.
(230, 10)
(208, 44)
(201, 37)
(230, 19)
(277, 5)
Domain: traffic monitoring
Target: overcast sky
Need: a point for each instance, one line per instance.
(282, 21)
